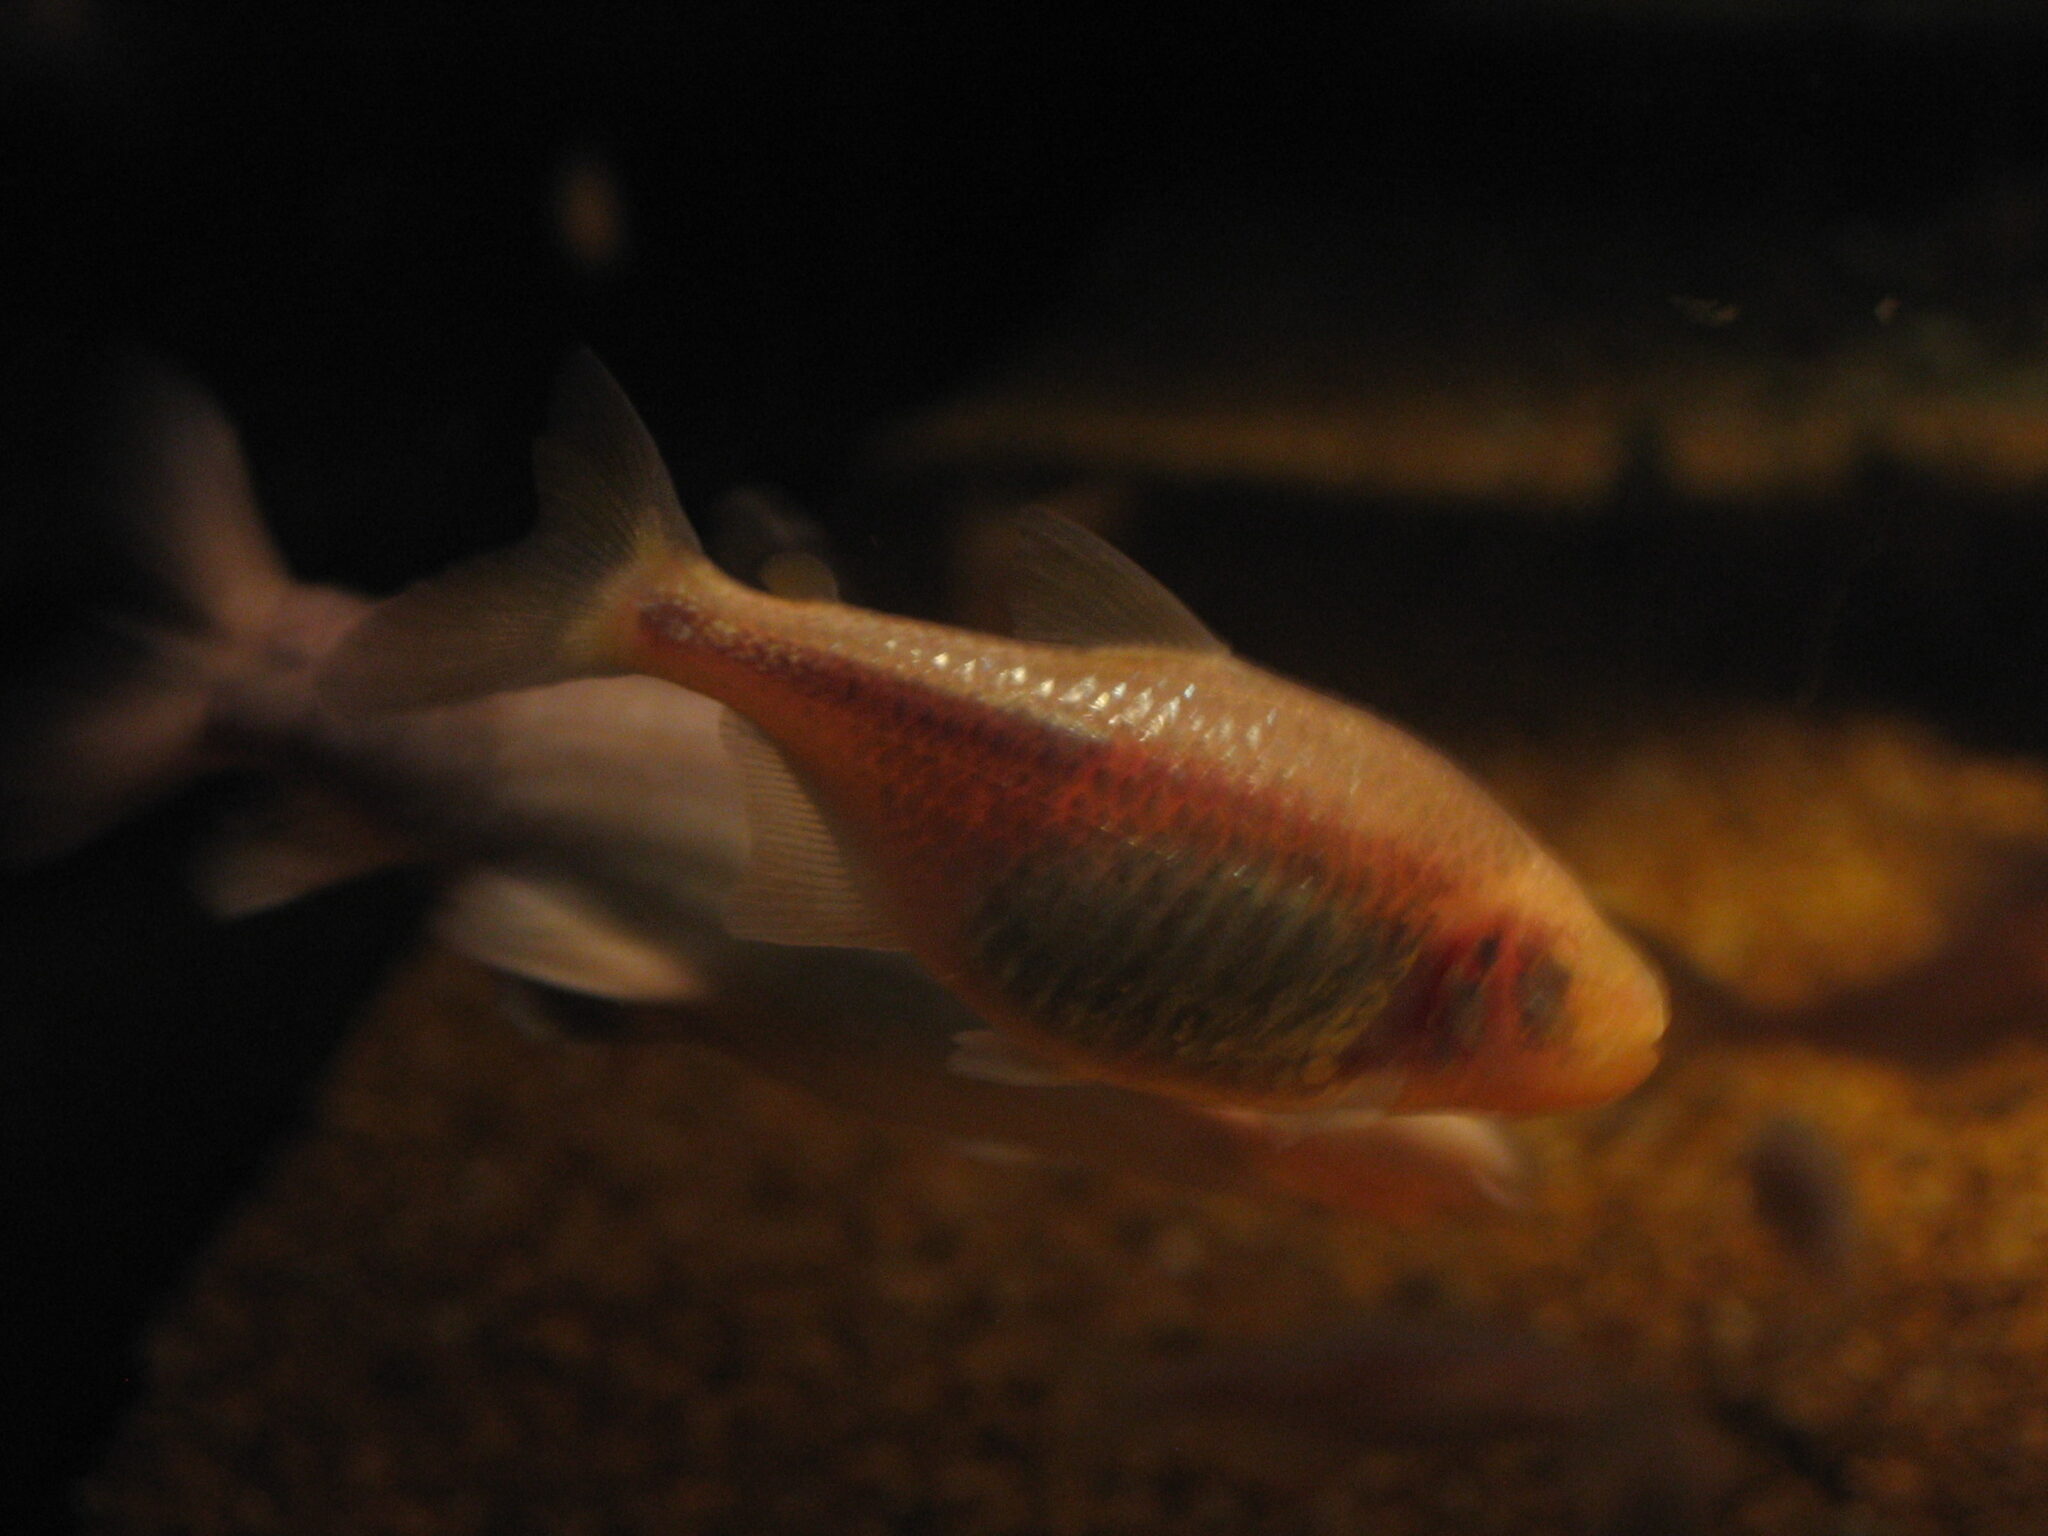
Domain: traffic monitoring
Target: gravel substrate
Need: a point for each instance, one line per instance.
(506, 1284)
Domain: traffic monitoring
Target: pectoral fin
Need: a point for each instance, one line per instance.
(800, 886)
(1396, 1167)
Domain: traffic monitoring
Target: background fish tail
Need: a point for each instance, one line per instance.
(122, 725)
(547, 609)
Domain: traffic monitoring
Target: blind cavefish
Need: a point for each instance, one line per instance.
(1144, 861)
(588, 835)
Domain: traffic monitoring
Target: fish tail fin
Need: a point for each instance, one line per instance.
(549, 608)
(120, 722)
(191, 514)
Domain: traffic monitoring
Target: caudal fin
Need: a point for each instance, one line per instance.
(537, 612)
(191, 513)
(92, 747)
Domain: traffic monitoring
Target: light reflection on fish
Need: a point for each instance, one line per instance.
(591, 832)
(1145, 862)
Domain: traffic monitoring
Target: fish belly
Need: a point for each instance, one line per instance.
(1151, 924)
(1163, 962)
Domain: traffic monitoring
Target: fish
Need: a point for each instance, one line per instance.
(587, 836)
(1143, 860)
(1804, 1193)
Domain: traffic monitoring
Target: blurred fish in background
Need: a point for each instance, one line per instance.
(1804, 1193)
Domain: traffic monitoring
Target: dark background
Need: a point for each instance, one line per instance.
(343, 223)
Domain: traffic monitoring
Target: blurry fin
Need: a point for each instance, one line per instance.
(1473, 1147)
(1461, 1149)
(1396, 1167)
(798, 887)
(544, 934)
(553, 1014)
(182, 486)
(1365, 1103)
(1069, 586)
(763, 539)
(301, 842)
(989, 1057)
(75, 768)
(800, 576)
(130, 728)
(537, 612)
(1317, 1122)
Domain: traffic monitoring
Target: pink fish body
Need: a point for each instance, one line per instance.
(1144, 861)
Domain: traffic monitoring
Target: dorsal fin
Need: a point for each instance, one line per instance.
(799, 575)
(799, 887)
(1070, 586)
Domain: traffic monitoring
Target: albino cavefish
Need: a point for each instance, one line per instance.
(1143, 861)
(588, 834)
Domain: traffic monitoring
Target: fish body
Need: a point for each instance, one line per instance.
(1161, 867)
(590, 835)
(1147, 862)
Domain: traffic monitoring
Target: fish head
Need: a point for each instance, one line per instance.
(1528, 1013)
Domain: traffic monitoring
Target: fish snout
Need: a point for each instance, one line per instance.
(1557, 1022)
(1602, 1036)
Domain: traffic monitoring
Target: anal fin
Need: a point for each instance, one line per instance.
(545, 934)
